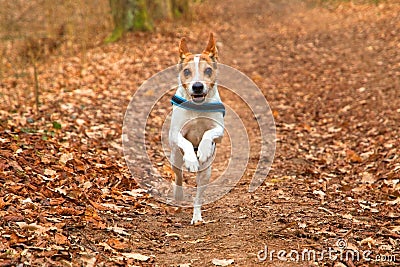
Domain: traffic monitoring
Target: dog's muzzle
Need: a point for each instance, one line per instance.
(198, 94)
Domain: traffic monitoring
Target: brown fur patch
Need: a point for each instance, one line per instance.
(208, 58)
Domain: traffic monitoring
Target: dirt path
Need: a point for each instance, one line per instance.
(332, 79)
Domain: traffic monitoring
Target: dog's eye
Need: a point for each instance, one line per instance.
(187, 72)
(208, 71)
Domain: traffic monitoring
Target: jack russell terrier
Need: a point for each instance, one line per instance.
(197, 120)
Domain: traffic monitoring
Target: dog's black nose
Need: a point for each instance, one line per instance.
(197, 88)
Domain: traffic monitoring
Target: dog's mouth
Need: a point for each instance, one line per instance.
(198, 98)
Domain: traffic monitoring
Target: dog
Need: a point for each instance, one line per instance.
(197, 120)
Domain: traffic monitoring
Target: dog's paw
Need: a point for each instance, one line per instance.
(197, 218)
(206, 150)
(191, 163)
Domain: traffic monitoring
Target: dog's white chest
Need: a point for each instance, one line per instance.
(194, 129)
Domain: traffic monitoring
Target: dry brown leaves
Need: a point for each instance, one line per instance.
(331, 77)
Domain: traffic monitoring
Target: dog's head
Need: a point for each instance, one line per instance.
(198, 72)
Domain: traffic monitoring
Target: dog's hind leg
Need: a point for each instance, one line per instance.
(202, 179)
(177, 162)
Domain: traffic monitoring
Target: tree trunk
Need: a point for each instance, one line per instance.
(159, 9)
(179, 7)
(139, 14)
(128, 15)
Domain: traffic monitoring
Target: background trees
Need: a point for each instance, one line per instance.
(140, 14)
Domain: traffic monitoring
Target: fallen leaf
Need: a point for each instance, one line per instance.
(68, 211)
(88, 260)
(118, 230)
(98, 206)
(2, 203)
(33, 227)
(367, 178)
(319, 192)
(136, 256)
(15, 165)
(15, 239)
(369, 241)
(395, 228)
(56, 125)
(64, 158)
(348, 216)
(106, 246)
(135, 192)
(353, 157)
(13, 218)
(49, 172)
(302, 225)
(118, 245)
(60, 239)
(197, 241)
(223, 262)
(394, 202)
(172, 235)
(61, 190)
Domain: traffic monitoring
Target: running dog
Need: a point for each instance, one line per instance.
(197, 120)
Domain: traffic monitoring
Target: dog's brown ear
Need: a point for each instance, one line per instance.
(183, 49)
(211, 49)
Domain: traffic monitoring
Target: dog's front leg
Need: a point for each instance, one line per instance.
(206, 146)
(189, 156)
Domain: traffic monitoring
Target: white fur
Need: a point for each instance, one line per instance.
(208, 127)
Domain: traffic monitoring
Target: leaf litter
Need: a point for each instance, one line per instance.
(331, 79)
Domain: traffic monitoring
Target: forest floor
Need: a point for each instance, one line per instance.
(331, 75)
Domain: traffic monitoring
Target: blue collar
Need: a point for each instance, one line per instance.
(205, 107)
